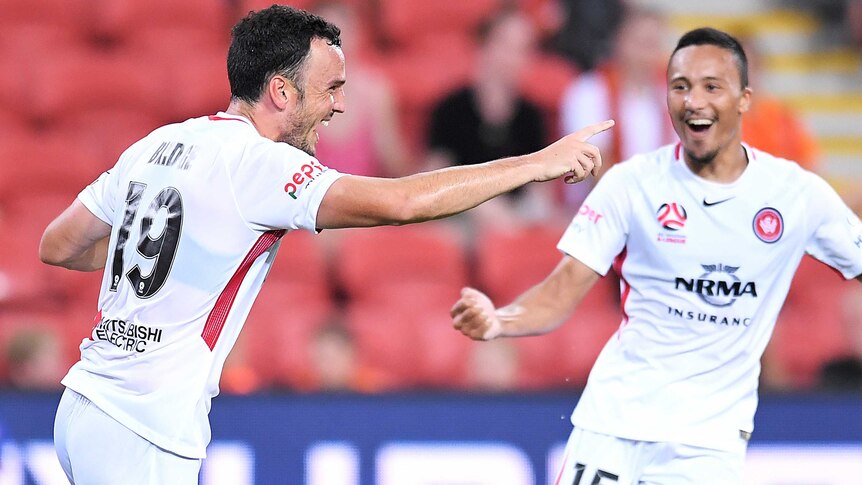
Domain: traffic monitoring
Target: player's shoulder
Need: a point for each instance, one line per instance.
(645, 165)
(781, 171)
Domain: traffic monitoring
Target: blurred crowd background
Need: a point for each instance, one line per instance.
(430, 84)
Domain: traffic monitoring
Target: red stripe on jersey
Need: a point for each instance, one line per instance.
(677, 150)
(224, 302)
(618, 268)
(222, 118)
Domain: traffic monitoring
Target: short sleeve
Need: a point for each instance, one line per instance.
(277, 186)
(837, 232)
(598, 233)
(100, 196)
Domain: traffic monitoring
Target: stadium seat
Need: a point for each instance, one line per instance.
(510, 262)
(444, 352)
(810, 329)
(73, 80)
(26, 283)
(544, 83)
(56, 13)
(301, 269)
(371, 259)
(425, 72)
(34, 162)
(102, 135)
(386, 339)
(278, 331)
(122, 20)
(403, 21)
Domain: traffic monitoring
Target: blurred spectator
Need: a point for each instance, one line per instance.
(629, 87)
(333, 364)
(853, 22)
(493, 366)
(585, 35)
(792, 140)
(365, 140)
(33, 359)
(844, 373)
(489, 118)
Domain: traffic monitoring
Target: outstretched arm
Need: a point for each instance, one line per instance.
(539, 310)
(366, 201)
(76, 239)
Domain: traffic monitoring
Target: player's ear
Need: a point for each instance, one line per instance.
(281, 91)
(745, 100)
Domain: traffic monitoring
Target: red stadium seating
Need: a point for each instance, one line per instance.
(26, 282)
(425, 72)
(301, 268)
(386, 340)
(371, 259)
(544, 83)
(34, 162)
(56, 13)
(73, 80)
(101, 135)
(510, 262)
(122, 20)
(810, 329)
(278, 331)
(403, 21)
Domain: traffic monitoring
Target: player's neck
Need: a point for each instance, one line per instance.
(725, 168)
(248, 111)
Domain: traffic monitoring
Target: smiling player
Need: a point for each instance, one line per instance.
(706, 236)
(187, 224)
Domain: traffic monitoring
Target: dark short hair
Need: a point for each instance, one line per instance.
(275, 40)
(723, 40)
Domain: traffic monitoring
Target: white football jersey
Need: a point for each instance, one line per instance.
(197, 210)
(704, 268)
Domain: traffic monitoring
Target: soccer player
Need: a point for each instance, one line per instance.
(706, 236)
(187, 223)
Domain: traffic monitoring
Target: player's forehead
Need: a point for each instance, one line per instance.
(697, 63)
(325, 64)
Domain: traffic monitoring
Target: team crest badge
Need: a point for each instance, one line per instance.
(672, 216)
(768, 225)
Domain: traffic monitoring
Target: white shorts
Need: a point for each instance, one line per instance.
(594, 458)
(95, 449)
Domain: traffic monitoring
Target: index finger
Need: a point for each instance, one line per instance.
(588, 132)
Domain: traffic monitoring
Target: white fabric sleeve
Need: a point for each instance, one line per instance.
(598, 232)
(100, 196)
(277, 186)
(837, 231)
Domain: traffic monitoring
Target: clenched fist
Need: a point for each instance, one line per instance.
(474, 315)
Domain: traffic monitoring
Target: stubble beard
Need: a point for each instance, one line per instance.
(296, 134)
(704, 159)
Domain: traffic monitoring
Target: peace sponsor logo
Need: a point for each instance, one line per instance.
(768, 225)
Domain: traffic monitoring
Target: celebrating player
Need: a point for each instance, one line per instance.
(706, 236)
(186, 225)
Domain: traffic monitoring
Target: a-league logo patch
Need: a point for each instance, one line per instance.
(672, 216)
(768, 225)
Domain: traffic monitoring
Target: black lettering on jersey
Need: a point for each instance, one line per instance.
(173, 154)
(716, 288)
